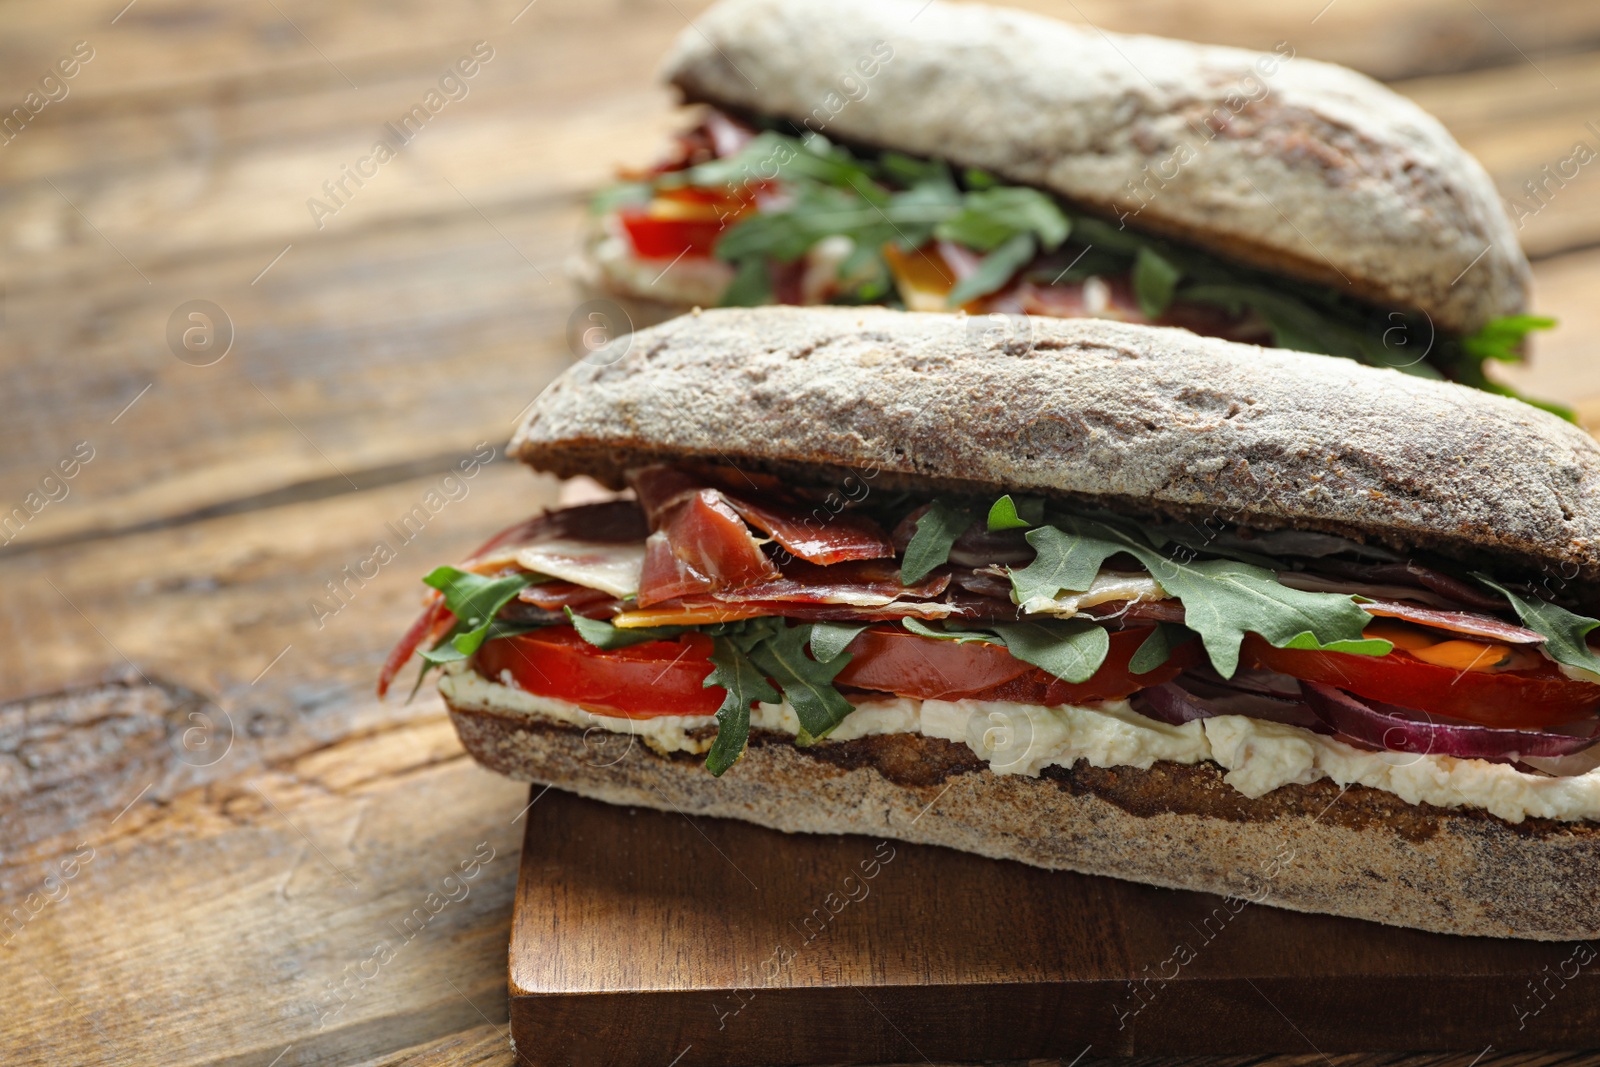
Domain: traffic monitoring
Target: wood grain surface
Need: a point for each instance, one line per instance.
(208, 827)
(640, 936)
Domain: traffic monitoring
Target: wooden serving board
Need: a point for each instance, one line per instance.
(652, 938)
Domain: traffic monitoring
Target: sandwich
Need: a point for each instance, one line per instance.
(1114, 598)
(935, 156)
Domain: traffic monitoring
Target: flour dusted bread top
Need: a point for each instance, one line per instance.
(1325, 174)
(1139, 417)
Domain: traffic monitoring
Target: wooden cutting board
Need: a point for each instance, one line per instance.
(648, 938)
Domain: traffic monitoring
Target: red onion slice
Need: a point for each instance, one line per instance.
(1385, 726)
(1171, 704)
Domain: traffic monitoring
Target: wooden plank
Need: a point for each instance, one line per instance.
(642, 936)
(1520, 119)
(160, 43)
(318, 909)
(1562, 364)
(409, 301)
(252, 835)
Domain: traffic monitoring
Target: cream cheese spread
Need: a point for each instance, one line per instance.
(1258, 756)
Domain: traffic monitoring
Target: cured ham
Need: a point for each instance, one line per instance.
(817, 534)
(432, 624)
(708, 536)
(861, 583)
(819, 537)
(611, 522)
(555, 596)
(666, 577)
(699, 610)
(1461, 622)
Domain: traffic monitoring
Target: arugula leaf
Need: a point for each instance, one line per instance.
(937, 530)
(1223, 600)
(995, 270)
(1065, 562)
(1016, 514)
(910, 172)
(474, 601)
(751, 285)
(807, 684)
(602, 634)
(961, 637)
(906, 200)
(1070, 649)
(979, 179)
(1566, 633)
(990, 217)
(745, 685)
(613, 197)
(1154, 281)
(1501, 339)
(828, 639)
(1157, 648)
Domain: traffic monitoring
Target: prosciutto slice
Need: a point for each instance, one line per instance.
(613, 522)
(860, 583)
(710, 538)
(822, 539)
(666, 577)
(554, 596)
(815, 534)
(1461, 622)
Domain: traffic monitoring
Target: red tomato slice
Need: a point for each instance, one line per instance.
(658, 238)
(896, 661)
(899, 662)
(1511, 699)
(665, 677)
(639, 682)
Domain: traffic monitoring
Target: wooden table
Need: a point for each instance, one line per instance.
(208, 824)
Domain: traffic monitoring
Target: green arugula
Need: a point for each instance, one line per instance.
(1565, 632)
(602, 634)
(1065, 561)
(474, 601)
(828, 639)
(1222, 599)
(990, 217)
(1070, 649)
(806, 683)
(1154, 282)
(733, 670)
(1009, 223)
(907, 201)
(1016, 514)
(1157, 648)
(937, 531)
(995, 270)
(960, 637)
(1501, 339)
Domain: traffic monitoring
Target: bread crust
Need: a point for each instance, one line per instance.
(1326, 174)
(1133, 416)
(1356, 852)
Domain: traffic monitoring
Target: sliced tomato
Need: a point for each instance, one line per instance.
(638, 682)
(896, 661)
(665, 677)
(662, 238)
(899, 662)
(1521, 699)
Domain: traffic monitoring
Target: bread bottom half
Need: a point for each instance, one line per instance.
(1356, 852)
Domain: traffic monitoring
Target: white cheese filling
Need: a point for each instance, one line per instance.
(1258, 756)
